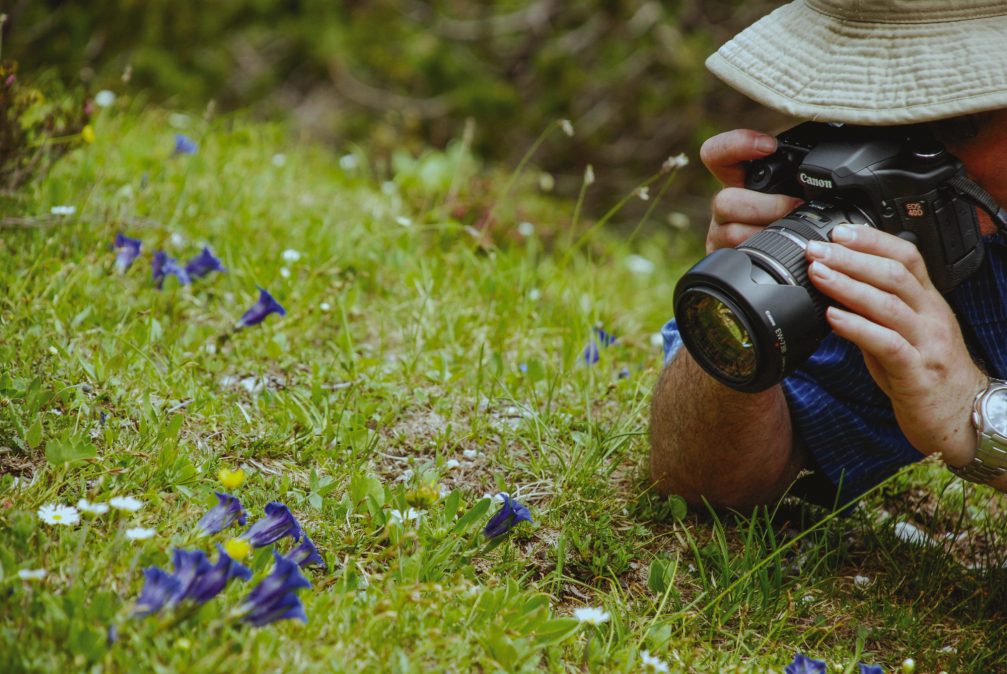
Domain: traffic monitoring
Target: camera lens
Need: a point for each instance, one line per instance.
(727, 339)
(750, 315)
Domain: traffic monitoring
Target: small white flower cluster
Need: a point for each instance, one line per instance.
(651, 663)
(591, 615)
(674, 163)
(67, 515)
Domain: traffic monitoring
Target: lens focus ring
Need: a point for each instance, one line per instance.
(789, 255)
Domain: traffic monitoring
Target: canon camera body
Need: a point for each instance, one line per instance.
(749, 315)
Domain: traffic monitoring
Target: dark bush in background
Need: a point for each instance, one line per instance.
(408, 73)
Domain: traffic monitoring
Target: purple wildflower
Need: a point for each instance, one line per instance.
(184, 145)
(213, 579)
(306, 554)
(277, 523)
(159, 589)
(128, 250)
(602, 339)
(189, 566)
(507, 517)
(162, 265)
(870, 669)
(224, 514)
(275, 598)
(802, 664)
(265, 306)
(203, 264)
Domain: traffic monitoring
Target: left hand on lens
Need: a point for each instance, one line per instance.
(909, 337)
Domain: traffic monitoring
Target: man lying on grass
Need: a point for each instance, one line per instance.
(904, 366)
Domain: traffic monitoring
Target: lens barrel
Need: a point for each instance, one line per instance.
(749, 315)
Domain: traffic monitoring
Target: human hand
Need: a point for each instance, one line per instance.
(909, 337)
(739, 213)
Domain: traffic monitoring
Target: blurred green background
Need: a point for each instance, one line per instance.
(387, 75)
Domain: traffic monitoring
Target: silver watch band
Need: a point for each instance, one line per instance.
(990, 461)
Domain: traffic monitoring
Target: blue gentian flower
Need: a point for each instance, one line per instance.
(870, 669)
(162, 265)
(306, 554)
(507, 517)
(265, 306)
(189, 566)
(602, 339)
(213, 579)
(184, 145)
(224, 514)
(128, 250)
(277, 523)
(802, 664)
(275, 598)
(160, 588)
(203, 264)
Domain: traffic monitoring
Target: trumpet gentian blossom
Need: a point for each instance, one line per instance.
(507, 517)
(265, 306)
(224, 514)
(275, 598)
(602, 339)
(160, 589)
(162, 265)
(213, 579)
(203, 264)
(184, 145)
(870, 669)
(128, 250)
(277, 523)
(802, 664)
(306, 554)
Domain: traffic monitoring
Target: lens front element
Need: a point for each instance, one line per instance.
(726, 342)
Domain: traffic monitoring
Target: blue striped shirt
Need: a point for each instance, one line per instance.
(845, 420)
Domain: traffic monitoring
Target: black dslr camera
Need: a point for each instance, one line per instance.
(750, 316)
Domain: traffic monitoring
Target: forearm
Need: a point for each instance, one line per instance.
(709, 441)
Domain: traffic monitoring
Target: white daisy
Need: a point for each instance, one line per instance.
(399, 517)
(591, 615)
(404, 221)
(92, 508)
(284, 272)
(63, 210)
(652, 664)
(639, 264)
(526, 229)
(58, 514)
(325, 306)
(127, 503)
(290, 255)
(31, 574)
(104, 98)
(140, 533)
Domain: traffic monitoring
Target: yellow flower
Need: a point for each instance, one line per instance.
(87, 134)
(237, 548)
(232, 479)
(423, 496)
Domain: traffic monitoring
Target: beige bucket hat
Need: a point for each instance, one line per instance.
(874, 62)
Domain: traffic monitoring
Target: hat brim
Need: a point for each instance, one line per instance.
(809, 64)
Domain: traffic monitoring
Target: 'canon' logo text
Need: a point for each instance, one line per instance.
(815, 182)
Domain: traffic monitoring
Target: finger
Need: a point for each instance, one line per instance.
(728, 235)
(735, 204)
(883, 244)
(724, 153)
(878, 306)
(892, 351)
(883, 273)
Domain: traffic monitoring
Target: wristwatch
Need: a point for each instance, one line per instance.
(989, 416)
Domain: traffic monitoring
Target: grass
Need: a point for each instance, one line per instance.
(417, 336)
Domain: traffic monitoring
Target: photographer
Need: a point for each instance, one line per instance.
(901, 372)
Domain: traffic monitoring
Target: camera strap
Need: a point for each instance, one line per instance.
(981, 198)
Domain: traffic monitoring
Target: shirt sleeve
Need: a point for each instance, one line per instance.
(844, 420)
